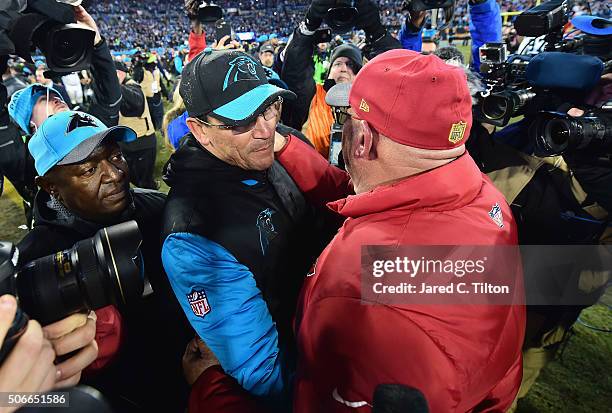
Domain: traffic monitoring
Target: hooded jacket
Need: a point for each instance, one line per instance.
(462, 357)
(236, 245)
(134, 359)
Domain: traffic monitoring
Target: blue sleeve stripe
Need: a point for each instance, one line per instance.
(224, 306)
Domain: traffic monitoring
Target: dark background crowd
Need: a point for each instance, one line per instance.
(159, 23)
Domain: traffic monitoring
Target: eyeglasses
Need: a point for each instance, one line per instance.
(271, 112)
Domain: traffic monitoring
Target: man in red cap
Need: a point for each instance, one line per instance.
(413, 183)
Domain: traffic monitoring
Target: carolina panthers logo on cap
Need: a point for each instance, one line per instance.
(79, 120)
(496, 215)
(198, 302)
(241, 68)
(266, 228)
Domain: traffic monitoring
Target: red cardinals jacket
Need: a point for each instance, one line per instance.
(463, 358)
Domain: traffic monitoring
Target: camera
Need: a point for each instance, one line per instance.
(555, 133)
(543, 19)
(50, 26)
(422, 5)
(341, 18)
(209, 12)
(98, 271)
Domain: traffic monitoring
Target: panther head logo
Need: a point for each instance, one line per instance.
(266, 228)
(79, 120)
(241, 68)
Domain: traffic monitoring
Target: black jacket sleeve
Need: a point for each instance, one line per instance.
(297, 73)
(132, 100)
(106, 88)
(379, 46)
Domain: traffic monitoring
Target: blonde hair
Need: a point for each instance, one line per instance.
(174, 112)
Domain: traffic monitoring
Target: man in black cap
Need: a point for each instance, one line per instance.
(234, 219)
(266, 55)
(134, 113)
(310, 111)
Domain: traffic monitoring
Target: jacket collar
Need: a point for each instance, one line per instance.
(48, 212)
(445, 188)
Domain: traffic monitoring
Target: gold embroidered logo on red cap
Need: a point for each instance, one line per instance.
(457, 132)
(364, 106)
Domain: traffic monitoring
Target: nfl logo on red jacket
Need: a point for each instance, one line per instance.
(198, 302)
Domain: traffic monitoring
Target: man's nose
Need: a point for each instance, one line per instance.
(261, 129)
(110, 173)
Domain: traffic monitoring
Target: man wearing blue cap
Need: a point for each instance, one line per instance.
(238, 236)
(85, 187)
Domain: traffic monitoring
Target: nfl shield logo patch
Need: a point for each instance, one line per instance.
(198, 302)
(457, 132)
(496, 215)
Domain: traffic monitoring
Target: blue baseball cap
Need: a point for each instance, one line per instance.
(597, 26)
(22, 103)
(228, 85)
(70, 137)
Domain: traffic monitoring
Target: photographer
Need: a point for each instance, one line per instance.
(29, 367)
(485, 26)
(346, 60)
(84, 182)
(134, 113)
(29, 107)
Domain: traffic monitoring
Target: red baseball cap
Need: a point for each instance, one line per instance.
(414, 99)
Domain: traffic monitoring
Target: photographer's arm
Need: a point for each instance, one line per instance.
(378, 40)
(297, 73)
(485, 26)
(29, 366)
(412, 31)
(105, 85)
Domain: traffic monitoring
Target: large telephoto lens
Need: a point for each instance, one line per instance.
(555, 133)
(102, 270)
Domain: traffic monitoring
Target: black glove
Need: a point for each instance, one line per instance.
(368, 19)
(316, 12)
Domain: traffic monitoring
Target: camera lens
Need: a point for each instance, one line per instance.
(558, 132)
(102, 270)
(494, 106)
(68, 47)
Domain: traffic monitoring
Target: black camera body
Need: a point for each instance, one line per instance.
(98, 271)
(209, 12)
(51, 27)
(341, 18)
(546, 18)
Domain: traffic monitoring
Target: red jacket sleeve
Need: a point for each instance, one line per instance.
(319, 181)
(216, 392)
(109, 335)
(197, 43)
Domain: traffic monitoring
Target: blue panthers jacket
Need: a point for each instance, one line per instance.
(485, 26)
(230, 249)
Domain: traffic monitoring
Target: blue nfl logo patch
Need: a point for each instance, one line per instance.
(198, 302)
(496, 215)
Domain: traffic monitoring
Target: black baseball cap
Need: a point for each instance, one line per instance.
(266, 47)
(229, 85)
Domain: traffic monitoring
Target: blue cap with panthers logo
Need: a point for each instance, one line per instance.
(228, 85)
(70, 137)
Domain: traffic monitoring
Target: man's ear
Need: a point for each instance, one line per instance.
(198, 131)
(46, 185)
(366, 143)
